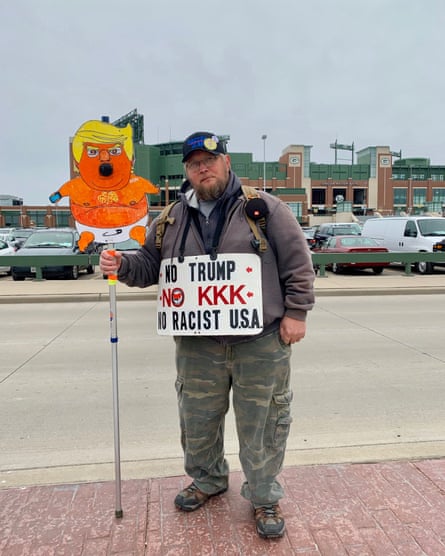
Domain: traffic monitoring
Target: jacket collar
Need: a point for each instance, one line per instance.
(188, 195)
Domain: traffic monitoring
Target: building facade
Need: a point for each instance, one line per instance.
(377, 181)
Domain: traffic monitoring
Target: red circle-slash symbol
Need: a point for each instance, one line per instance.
(177, 297)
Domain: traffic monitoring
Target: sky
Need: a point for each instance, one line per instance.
(368, 72)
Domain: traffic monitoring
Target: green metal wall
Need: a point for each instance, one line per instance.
(288, 191)
(420, 162)
(406, 172)
(339, 171)
(160, 162)
(245, 167)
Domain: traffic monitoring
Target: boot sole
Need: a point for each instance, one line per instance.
(197, 506)
(272, 536)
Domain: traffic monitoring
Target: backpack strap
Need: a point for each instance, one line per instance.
(256, 216)
(162, 222)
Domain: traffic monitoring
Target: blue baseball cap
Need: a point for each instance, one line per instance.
(202, 141)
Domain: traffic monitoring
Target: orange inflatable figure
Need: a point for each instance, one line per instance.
(108, 202)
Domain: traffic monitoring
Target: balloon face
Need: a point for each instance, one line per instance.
(105, 167)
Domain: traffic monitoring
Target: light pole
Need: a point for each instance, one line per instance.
(410, 202)
(167, 192)
(264, 137)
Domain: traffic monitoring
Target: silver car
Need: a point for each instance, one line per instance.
(50, 241)
(6, 249)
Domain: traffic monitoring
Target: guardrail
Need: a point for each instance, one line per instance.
(321, 260)
(406, 259)
(40, 261)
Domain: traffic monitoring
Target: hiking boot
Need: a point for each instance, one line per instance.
(192, 498)
(269, 521)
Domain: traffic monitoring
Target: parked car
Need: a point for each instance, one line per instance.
(331, 229)
(50, 241)
(410, 234)
(21, 235)
(8, 235)
(353, 244)
(6, 249)
(309, 235)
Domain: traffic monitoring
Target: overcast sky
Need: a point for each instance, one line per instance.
(369, 72)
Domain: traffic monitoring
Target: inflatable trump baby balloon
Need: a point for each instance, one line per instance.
(107, 201)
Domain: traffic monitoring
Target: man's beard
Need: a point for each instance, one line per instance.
(210, 193)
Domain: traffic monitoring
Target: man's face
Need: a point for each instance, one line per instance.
(208, 174)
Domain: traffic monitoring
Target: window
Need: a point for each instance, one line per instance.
(419, 196)
(37, 217)
(62, 219)
(432, 227)
(439, 194)
(358, 241)
(400, 195)
(359, 196)
(12, 218)
(318, 196)
(410, 229)
(347, 229)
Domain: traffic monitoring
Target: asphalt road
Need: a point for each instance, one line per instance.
(368, 385)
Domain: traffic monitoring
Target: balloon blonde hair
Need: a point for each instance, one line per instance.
(98, 132)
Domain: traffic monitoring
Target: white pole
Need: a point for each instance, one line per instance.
(112, 279)
(264, 137)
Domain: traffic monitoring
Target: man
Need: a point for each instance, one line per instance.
(253, 357)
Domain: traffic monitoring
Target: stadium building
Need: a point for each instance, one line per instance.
(376, 180)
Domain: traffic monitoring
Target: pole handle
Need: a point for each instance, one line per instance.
(112, 278)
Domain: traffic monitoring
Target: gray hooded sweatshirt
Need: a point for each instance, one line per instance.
(286, 265)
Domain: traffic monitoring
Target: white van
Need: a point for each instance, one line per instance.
(407, 233)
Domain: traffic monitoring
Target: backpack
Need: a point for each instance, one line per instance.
(255, 210)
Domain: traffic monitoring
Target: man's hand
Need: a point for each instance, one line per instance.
(109, 263)
(292, 330)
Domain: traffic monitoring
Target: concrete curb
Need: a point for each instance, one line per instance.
(152, 295)
(75, 297)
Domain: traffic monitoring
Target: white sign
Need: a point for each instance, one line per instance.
(294, 160)
(208, 297)
(385, 161)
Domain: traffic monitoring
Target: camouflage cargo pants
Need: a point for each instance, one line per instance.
(258, 373)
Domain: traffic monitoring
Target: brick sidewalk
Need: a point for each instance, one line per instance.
(382, 509)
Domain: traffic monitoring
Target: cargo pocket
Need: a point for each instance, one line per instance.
(179, 385)
(283, 418)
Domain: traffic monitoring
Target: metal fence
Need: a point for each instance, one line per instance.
(320, 260)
